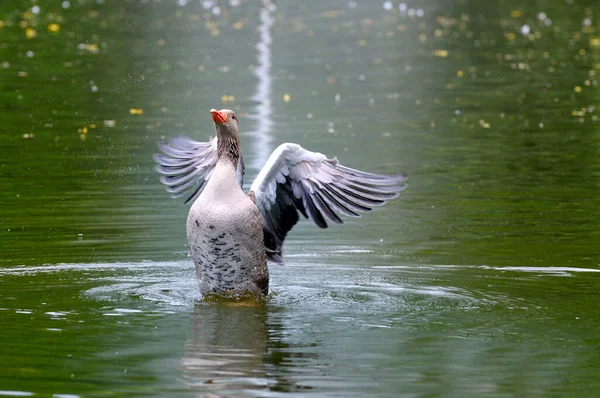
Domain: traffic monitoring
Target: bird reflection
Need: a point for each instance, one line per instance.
(226, 349)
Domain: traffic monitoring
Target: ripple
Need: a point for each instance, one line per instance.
(301, 284)
(555, 271)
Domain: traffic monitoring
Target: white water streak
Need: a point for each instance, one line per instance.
(262, 135)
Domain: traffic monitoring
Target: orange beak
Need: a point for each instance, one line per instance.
(218, 116)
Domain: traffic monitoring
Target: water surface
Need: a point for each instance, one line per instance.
(480, 280)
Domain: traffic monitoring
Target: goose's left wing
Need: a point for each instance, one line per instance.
(297, 180)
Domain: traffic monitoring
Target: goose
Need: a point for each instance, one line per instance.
(231, 234)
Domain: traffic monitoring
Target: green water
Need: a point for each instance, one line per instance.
(480, 280)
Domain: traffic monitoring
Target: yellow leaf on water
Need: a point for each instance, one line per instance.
(577, 89)
(92, 48)
(227, 98)
(136, 111)
(516, 13)
(441, 53)
(286, 97)
(53, 28)
(330, 14)
(30, 33)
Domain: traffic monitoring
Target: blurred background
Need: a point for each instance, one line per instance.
(480, 280)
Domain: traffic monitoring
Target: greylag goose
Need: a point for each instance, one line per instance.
(231, 234)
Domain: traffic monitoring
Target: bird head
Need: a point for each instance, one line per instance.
(226, 123)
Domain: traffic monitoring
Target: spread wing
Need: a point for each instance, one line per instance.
(186, 165)
(296, 180)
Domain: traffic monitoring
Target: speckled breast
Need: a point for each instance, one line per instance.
(227, 247)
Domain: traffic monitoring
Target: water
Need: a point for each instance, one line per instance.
(480, 280)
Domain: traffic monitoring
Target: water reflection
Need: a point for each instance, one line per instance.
(261, 137)
(226, 349)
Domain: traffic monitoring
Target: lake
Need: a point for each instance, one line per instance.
(481, 279)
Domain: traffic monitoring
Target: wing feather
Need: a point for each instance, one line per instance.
(185, 165)
(297, 180)
(338, 203)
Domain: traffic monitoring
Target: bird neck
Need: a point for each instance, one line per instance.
(228, 148)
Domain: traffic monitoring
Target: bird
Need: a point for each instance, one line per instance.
(231, 233)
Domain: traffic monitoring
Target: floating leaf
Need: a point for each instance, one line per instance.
(516, 14)
(30, 33)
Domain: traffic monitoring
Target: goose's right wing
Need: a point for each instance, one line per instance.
(186, 165)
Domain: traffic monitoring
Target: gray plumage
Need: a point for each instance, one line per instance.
(231, 234)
